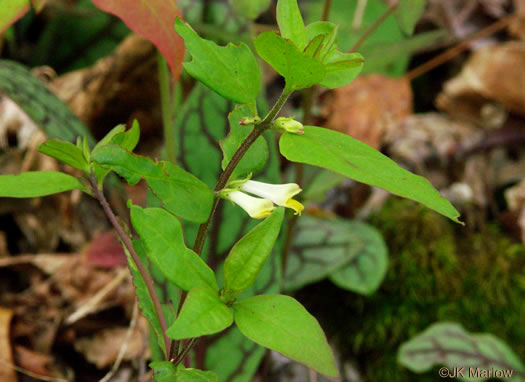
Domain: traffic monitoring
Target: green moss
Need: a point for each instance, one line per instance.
(438, 271)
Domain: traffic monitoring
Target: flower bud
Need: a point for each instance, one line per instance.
(248, 121)
(288, 125)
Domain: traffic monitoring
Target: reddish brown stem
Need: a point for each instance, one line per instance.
(142, 270)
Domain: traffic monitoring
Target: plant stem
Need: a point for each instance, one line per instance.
(165, 101)
(225, 176)
(184, 352)
(373, 27)
(326, 10)
(143, 272)
(221, 183)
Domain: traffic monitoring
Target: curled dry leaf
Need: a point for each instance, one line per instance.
(493, 73)
(115, 88)
(515, 198)
(430, 143)
(61, 285)
(38, 364)
(4, 250)
(7, 373)
(14, 122)
(422, 139)
(517, 26)
(103, 348)
(366, 107)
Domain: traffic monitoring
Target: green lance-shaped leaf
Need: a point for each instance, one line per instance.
(231, 71)
(341, 69)
(180, 192)
(143, 296)
(387, 34)
(323, 182)
(320, 28)
(119, 136)
(348, 156)
(195, 375)
(164, 371)
(282, 324)
(38, 183)
(299, 71)
(291, 24)
(408, 13)
(352, 254)
(65, 152)
(203, 313)
(449, 344)
(48, 112)
(313, 49)
(161, 234)
(247, 257)
(250, 9)
(256, 156)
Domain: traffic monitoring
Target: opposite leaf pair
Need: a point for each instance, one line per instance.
(303, 56)
(275, 321)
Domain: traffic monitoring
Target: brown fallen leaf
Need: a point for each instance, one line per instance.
(517, 26)
(109, 92)
(7, 373)
(59, 285)
(366, 107)
(515, 198)
(102, 349)
(47, 263)
(97, 302)
(15, 122)
(492, 74)
(4, 250)
(431, 138)
(40, 366)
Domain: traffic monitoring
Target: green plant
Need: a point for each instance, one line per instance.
(305, 56)
(437, 272)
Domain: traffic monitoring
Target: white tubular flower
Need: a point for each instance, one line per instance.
(255, 207)
(280, 194)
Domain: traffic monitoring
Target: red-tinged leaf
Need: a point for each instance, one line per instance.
(105, 251)
(153, 19)
(11, 11)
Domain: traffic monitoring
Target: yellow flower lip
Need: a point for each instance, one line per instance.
(295, 205)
